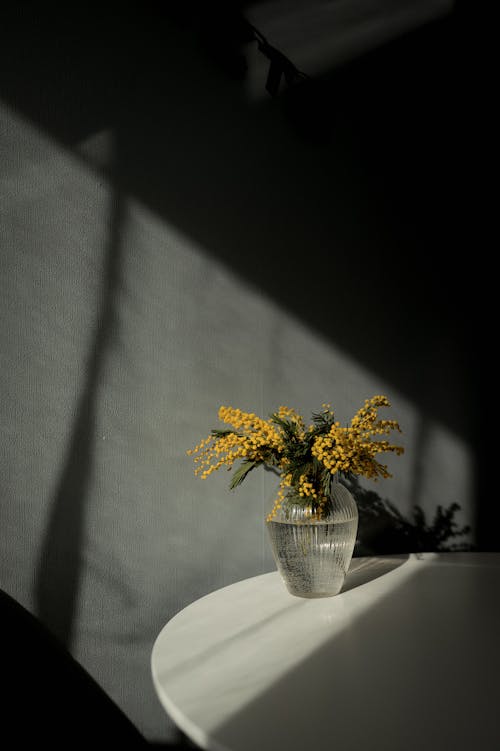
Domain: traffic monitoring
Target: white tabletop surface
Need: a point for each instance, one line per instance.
(405, 658)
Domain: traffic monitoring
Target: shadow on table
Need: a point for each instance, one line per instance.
(399, 675)
(363, 570)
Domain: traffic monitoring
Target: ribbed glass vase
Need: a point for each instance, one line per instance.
(313, 555)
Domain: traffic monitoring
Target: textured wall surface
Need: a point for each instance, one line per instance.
(169, 246)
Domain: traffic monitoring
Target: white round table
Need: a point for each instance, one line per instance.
(405, 658)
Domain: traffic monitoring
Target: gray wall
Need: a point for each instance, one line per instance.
(168, 246)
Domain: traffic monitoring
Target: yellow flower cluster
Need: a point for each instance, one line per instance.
(325, 448)
(285, 484)
(252, 441)
(306, 489)
(353, 449)
(261, 432)
(291, 414)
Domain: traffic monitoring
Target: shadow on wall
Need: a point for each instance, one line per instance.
(58, 576)
(350, 180)
(238, 181)
(257, 186)
(384, 530)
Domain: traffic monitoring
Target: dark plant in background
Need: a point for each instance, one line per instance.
(383, 528)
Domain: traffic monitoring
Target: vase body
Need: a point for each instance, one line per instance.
(313, 555)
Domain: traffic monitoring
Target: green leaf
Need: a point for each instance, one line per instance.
(242, 472)
(222, 433)
(322, 422)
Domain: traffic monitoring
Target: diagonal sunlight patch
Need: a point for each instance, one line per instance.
(219, 655)
(192, 335)
(202, 336)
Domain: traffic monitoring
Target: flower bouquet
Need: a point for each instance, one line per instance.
(309, 459)
(314, 520)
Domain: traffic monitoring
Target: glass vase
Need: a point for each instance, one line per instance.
(313, 555)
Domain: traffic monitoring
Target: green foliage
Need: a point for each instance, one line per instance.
(221, 433)
(297, 452)
(242, 471)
